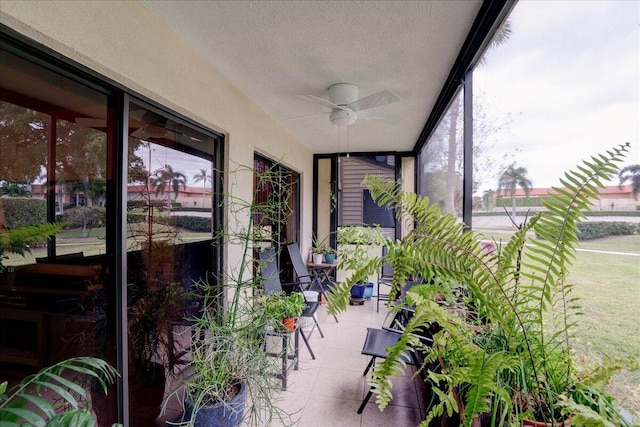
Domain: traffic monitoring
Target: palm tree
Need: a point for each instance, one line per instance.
(512, 178)
(487, 199)
(631, 173)
(166, 179)
(203, 176)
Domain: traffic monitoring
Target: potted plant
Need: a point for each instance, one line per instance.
(232, 376)
(150, 320)
(67, 403)
(330, 255)
(318, 254)
(156, 300)
(285, 308)
(357, 244)
(512, 359)
(318, 249)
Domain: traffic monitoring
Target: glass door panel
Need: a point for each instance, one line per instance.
(169, 240)
(57, 298)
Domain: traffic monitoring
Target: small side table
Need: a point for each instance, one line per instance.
(288, 351)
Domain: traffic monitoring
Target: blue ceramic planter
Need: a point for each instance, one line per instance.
(357, 291)
(368, 290)
(219, 415)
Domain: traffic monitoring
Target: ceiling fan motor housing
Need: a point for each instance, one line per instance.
(343, 93)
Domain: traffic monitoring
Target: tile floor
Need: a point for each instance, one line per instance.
(327, 391)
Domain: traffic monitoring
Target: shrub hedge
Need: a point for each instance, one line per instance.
(193, 223)
(93, 216)
(192, 209)
(612, 213)
(597, 229)
(20, 211)
(587, 213)
(520, 202)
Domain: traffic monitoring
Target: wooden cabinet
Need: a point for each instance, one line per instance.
(47, 315)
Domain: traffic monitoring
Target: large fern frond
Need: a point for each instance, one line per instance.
(555, 249)
(548, 257)
(482, 372)
(24, 404)
(18, 239)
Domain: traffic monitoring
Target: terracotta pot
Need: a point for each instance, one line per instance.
(565, 423)
(289, 323)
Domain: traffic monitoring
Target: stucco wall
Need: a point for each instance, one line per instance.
(124, 42)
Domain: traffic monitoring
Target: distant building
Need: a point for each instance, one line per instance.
(188, 197)
(612, 197)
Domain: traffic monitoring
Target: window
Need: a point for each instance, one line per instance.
(58, 163)
(563, 86)
(56, 140)
(351, 192)
(170, 248)
(440, 163)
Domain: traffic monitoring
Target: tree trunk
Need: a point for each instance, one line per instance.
(450, 189)
(3, 229)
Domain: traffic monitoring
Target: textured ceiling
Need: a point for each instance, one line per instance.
(277, 52)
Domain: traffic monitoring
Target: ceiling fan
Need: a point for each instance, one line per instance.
(346, 108)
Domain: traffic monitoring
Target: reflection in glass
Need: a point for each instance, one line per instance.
(58, 301)
(169, 240)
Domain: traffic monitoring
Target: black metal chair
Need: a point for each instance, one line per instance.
(272, 285)
(316, 280)
(378, 341)
(385, 279)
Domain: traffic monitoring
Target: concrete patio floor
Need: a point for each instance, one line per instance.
(327, 391)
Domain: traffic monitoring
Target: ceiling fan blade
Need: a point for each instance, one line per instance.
(375, 100)
(305, 116)
(324, 102)
(152, 131)
(381, 117)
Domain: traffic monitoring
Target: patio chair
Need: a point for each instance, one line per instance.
(385, 279)
(315, 280)
(272, 285)
(378, 341)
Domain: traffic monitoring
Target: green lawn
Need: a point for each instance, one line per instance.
(609, 288)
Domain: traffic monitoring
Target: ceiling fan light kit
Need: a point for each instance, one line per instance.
(344, 117)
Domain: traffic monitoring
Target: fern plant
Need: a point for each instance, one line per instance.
(512, 359)
(25, 405)
(17, 240)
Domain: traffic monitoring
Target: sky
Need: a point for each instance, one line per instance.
(180, 162)
(568, 78)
